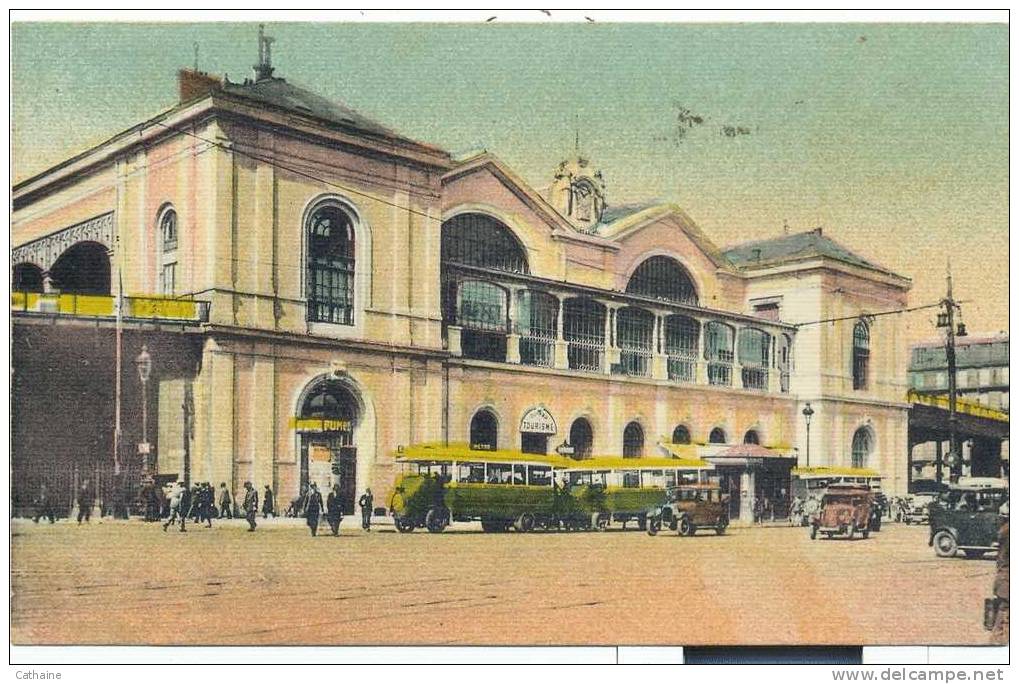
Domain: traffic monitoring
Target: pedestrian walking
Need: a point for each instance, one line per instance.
(268, 503)
(366, 502)
(44, 506)
(178, 504)
(225, 502)
(314, 509)
(85, 501)
(250, 505)
(208, 503)
(334, 510)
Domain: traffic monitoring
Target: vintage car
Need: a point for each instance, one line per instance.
(917, 508)
(845, 509)
(967, 518)
(688, 508)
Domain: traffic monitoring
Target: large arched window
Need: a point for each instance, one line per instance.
(681, 340)
(331, 265)
(584, 332)
(27, 278)
(751, 437)
(635, 337)
(861, 355)
(333, 402)
(633, 440)
(662, 277)
(484, 430)
(862, 447)
(480, 240)
(717, 436)
(581, 438)
(681, 435)
(83, 269)
(483, 313)
(168, 230)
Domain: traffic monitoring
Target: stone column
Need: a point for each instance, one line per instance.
(561, 357)
(513, 336)
(453, 340)
(701, 365)
(659, 361)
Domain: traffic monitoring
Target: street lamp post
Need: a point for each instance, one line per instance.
(807, 413)
(144, 363)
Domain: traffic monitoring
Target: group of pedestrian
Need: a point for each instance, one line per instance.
(333, 508)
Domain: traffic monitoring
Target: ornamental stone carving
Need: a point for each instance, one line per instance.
(44, 251)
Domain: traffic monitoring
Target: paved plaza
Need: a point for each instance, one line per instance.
(128, 582)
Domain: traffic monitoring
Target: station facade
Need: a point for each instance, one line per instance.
(357, 291)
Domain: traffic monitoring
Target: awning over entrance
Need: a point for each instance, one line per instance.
(685, 451)
(751, 455)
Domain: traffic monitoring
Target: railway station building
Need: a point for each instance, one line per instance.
(262, 285)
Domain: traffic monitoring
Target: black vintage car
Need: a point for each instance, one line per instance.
(966, 518)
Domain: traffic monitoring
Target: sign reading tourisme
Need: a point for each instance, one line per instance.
(539, 420)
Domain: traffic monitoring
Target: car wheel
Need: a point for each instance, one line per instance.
(686, 528)
(813, 531)
(721, 525)
(653, 526)
(945, 545)
(524, 523)
(436, 519)
(403, 524)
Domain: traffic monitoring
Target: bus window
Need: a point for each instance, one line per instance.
(651, 478)
(473, 473)
(631, 478)
(582, 477)
(670, 478)
(500, 473)
(519, 474)
(539, 476)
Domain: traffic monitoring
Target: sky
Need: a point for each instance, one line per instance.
(892, 138)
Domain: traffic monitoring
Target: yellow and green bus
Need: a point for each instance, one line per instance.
(499, 488)
(607, 489)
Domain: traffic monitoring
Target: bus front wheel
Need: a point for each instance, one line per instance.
(436, 519)
(403, 524)
(524, 523)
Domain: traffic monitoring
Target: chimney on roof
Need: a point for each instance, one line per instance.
(193, 84)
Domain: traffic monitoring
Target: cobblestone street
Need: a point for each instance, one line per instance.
(131, 583)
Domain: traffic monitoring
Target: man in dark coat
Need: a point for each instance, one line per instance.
(314, 509)
(208, 503)
(366, 502)
(44, 506)
(334, 510)
(225, 502)
(85, 501)
(250, 505)
(268, 503)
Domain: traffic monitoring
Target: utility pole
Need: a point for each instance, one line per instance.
(946, 319)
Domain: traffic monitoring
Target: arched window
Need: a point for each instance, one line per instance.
(717, 436)
(479, 240)
(168, 230)
(635, 337)
(751, 437)
(681, 339)
(633, 440)
(862, 446)
(484, 430)
(662, 277)
(83, 269)
(681, 435)
(334, 402)
(584, 332)
(861, 355)
(331, 265)
(168, 252)
(581, 438)
(27, 278)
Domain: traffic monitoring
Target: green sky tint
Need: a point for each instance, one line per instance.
(894, 138)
